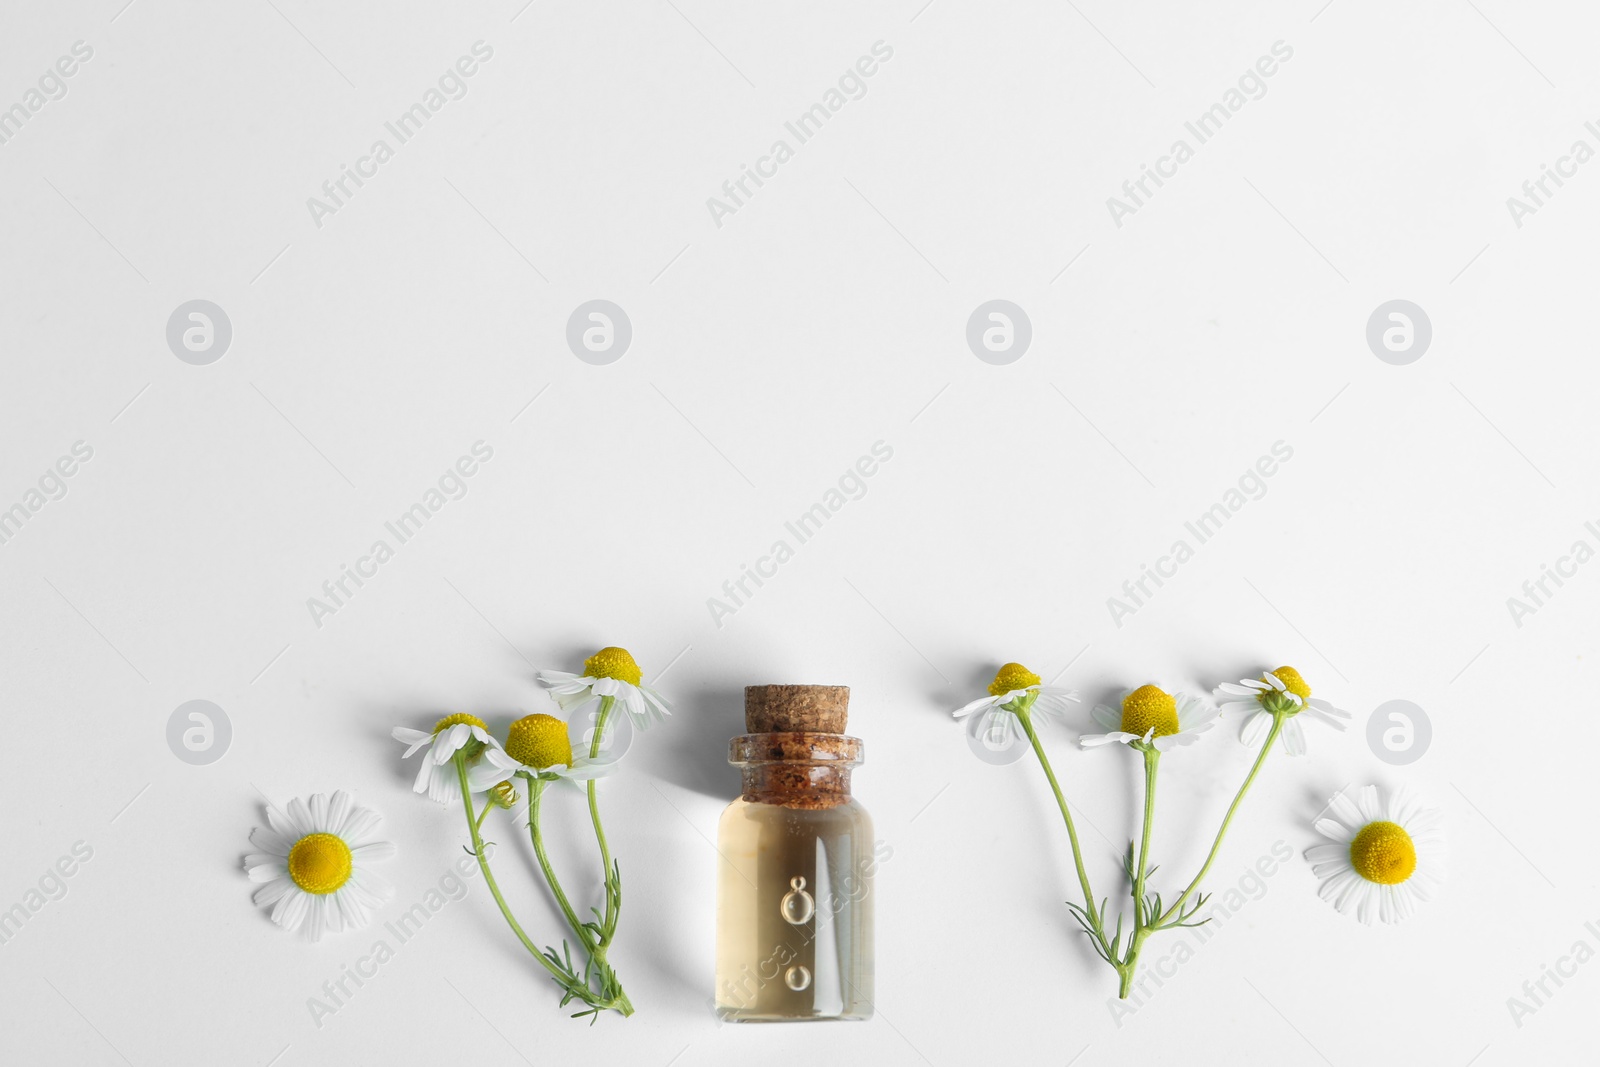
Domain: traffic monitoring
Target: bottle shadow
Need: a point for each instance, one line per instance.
(692, 752)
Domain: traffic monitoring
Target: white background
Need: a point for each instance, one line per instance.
(768, 354)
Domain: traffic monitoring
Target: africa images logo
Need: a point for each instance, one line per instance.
(338, 191)
(1252, 85)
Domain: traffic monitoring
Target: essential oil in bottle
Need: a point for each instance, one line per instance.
(794, 885)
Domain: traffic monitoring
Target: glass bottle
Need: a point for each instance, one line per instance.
(794, 882)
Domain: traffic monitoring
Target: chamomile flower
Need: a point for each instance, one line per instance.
(314, 863)
(437, 776)
(1014, 687)
(1280, 692)
(503, 795)
(541, 745)
(611, 672)
(1152, 716)
(1387, 854)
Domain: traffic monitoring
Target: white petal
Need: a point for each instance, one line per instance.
(358, 828)
(499, 757)
(1370, 802)
(1294, 738)
(1316, 715)
(574, 703)
(266, 872)
(339, 811)
(1328, 709)
(426, 772)
(1332, 889)
(638, 710)
(301, 818)
(1341, 807)
(1336, 830)
(319, 813)
(374, 885)
(1254, 726)
(316, 918)
(282, 824)
(450, 740)
(996, 726)
(445, 786)
(1319, 856)
(291, 911)
(272, 892)
(1367, 903)
(360, 896)
(1091, 740)
(271, 842)
(351, 913)
(1387, 902)
(413, 738)
(576, 685)
(582, 770)
(374, 850)
(1049, 707)
(976, 705)
(486, 774)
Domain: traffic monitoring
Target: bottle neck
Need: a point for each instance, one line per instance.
(796, 770)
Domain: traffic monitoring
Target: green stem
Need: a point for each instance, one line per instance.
(1272, 735)
(1024, 717)
(1127, 969)
(488, 877)
(1141, 921)
(1152, 759)
(536, 787)
(613, 899)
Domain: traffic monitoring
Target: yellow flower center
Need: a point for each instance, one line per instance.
(456, 720)
(1291, 681)
(319, 863)
(613, 662)
(1149, 708)
(1383, 853)
(1010, 678)
(540, 741)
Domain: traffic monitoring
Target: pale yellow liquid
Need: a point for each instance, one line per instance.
(770, 967)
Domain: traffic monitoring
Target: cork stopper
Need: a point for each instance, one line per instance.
(773, 709)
